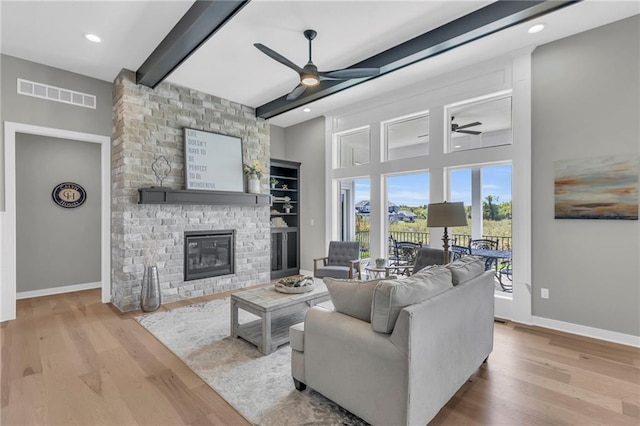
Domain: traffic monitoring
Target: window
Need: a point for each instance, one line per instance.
(406, 137)
(480, 124)
(353, 148)
(407, 200)
(460, 190)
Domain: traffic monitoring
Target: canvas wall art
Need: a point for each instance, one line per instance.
(597, 188)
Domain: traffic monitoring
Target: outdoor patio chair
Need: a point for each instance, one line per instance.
(456, 252)
(505, 275)
(485, 244)
(404, 258)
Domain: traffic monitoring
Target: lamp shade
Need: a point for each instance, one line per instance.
(446, 215)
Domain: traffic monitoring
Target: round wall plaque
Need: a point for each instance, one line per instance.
(69, 195)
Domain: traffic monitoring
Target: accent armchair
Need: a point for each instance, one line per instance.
(343, 261)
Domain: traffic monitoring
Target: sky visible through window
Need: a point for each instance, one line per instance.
(413, 189)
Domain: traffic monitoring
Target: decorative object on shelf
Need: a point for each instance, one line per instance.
(295, 285)
(213, 162)
(380, 262)
(446, 215)
(69, 195)
(287, 207)
(281, 199)
(597, 188)
(254, 173)
(161, 168)
(273, 181)
(284, 186)
(253, 184)
(254, 168)
(278, 222)
(150, 297)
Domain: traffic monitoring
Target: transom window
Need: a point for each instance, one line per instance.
(406, 137)
(480, 123)
(353, 148)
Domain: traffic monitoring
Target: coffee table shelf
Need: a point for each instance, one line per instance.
(252, 331)
(277, 312)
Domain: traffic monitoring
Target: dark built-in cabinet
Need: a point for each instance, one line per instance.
(285, 231)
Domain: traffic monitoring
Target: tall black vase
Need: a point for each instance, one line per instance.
(150, 297)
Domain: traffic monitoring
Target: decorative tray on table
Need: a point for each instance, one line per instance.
(300, 284)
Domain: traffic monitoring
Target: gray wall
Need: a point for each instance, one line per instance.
(277, 142)
(41, 112)
(305, 142)
(56, 246)
(586, 99)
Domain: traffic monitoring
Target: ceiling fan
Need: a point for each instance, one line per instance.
(460, 129)
(309, 74)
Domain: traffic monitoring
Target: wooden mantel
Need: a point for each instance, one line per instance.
(181, 196)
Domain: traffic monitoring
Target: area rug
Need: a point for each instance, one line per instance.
(259, 387)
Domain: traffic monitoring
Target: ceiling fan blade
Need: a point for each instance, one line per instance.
(469, 132)
(295, 93)
(475, 123)
(347, 74)
(278, 57)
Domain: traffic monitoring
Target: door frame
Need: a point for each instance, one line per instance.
(8, 218)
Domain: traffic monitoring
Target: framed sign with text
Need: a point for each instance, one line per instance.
(212, 162)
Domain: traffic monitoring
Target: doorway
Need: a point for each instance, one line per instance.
(8, 218)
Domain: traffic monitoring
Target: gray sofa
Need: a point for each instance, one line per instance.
(404, 365)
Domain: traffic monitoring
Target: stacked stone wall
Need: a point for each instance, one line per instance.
(148, 123)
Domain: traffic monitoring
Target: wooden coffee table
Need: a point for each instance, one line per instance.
(277, 312)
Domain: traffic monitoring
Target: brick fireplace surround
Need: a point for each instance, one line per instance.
(148, 123)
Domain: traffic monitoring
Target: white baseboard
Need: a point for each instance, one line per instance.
(57, 290)
(583, 330)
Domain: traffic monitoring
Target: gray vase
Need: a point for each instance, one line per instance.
(150, 298)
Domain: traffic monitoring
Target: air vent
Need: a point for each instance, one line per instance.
(57, 94)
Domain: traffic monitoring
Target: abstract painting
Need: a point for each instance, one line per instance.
(597, 188)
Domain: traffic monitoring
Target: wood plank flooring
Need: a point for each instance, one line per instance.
(71, 360)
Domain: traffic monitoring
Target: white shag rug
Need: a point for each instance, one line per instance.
(259, 387)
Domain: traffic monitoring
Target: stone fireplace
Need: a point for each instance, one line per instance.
(148, 123)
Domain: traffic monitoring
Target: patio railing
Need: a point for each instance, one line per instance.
(504, 243)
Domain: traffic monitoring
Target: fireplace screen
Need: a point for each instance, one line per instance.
(208, 254)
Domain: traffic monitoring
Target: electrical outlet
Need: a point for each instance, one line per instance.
(544, 293)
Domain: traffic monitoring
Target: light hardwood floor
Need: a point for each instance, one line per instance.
(71, 360)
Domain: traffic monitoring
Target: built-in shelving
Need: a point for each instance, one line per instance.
(285, 240)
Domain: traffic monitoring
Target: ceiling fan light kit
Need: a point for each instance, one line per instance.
(309, 74)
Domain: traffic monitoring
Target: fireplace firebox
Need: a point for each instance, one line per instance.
(209, 254)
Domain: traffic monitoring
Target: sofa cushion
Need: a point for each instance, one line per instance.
(296, 337)
(352, 297)
(466, 268)
(390, 296)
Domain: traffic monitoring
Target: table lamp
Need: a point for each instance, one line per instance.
(445, 215)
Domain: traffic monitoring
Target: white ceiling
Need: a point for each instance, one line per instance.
(228, 66)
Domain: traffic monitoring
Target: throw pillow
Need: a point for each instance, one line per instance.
(466, 268)
(352, 297)
(391, 296)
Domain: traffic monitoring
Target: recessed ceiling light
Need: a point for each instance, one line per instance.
(457, 146)
(93, 38)
(536, 28)
(306, 110)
